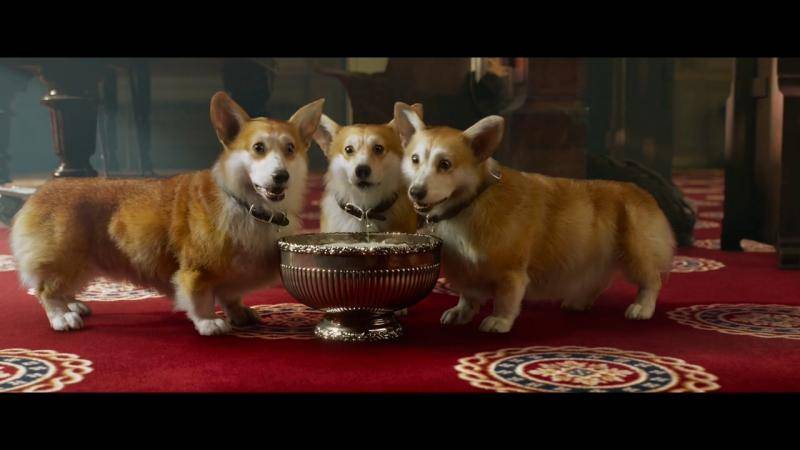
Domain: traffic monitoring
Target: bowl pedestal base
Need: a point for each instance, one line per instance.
(359, 326)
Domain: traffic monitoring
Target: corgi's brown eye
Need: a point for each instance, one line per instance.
(378, 149)
(348, 149)
(445, 165)
(258, 147)
(415, 159)
(290, 148)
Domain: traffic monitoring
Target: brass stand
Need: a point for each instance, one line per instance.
(359, 326)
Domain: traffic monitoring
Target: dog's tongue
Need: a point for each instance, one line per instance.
(275, 195)
(421, 208)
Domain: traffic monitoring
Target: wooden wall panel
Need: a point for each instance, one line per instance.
(547, 134)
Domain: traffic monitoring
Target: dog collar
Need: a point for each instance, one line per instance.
(456, 209)
(374, 213)
(276, 218)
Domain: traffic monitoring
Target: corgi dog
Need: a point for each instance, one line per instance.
(199, 237)
(364, 178)
(510, 235)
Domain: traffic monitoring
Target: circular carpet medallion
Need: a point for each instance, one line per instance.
(708, 244)
(282, 321)
(766, 321)
(581, 369)
(747, 245)
(23, 370)
(685, 264)
(104, 290)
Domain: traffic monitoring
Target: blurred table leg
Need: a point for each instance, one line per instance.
(72, 99)
(140, 96)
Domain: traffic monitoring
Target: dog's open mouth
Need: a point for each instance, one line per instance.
(364, 184)
(426, 207)
(273, 193)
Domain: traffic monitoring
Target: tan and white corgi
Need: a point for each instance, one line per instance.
(510, 235)
(364, 177)
(198, 237)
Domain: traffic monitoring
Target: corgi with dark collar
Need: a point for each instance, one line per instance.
(364, 186)
(201, 238)
(510, 235)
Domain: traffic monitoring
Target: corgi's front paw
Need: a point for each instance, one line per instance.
(65, 321)
(401, 312)
(211, 327)
(457, 316)
(494, 324)
(79, 307)
(640, 312)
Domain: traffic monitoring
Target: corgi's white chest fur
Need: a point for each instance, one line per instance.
(461, 257)
(338, 189)
(337, 220)
(457, 242)
(256, 263)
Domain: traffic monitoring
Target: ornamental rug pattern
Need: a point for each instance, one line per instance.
(748, 245)
(23, 370)
(686, 264)
(281, 321)
(748, 319)
(572, 369)
(105, 290)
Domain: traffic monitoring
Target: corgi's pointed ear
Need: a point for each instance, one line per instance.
(485, 136)
(407, 121)
(227, 117)
(325, 132)
(307, 118)
(417, 107)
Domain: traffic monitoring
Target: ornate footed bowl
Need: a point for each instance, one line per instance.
(359, 281)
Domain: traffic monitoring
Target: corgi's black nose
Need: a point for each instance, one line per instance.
(280, 176)
(363, 171)
(417, 192)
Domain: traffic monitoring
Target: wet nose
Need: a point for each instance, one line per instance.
(363, 171)
(280, 176)
(417, 192)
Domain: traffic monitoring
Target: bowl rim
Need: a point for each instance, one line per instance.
(431, 244)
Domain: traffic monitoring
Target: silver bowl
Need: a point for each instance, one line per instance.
(359, 282)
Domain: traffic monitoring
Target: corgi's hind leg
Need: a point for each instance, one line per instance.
(648, 246)
(508, 297)
(645, 305)
(644, 271)
(57, 307)
(194, 295)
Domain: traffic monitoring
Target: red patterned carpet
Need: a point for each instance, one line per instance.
(726, 322)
